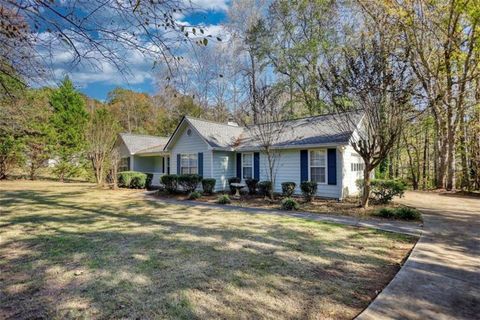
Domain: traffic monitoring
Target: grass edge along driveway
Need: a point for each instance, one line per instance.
(73, 251)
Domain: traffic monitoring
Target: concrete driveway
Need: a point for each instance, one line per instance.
(441, 279)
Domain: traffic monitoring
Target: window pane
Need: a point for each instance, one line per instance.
(184, 160)
(193, 160)
(317, 174)
(317, 158)
(247, 172)
(247, 160)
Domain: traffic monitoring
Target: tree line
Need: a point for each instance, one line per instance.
(411, 67)
(78, 133)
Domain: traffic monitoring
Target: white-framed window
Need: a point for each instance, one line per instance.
(318, 166)
(247, 166)
(188, 163)
(124, 164)
(357, 163)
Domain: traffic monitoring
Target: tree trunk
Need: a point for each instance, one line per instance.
(465, 184)
(425, 160)
(32, 170)
(366, 186)
(450, 183)
(390, 167)
(441, 164)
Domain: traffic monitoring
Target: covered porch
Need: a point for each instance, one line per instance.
(156, 163)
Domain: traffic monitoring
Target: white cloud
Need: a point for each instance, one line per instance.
(216, 5)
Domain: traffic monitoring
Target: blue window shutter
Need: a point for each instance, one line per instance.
(163, 164)
(239, 165)
(256, 165)
(303, 165)
(200, 164)
(332, 166)
(178, 163)
(168, 165)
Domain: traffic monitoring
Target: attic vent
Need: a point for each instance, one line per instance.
(231, 123)
(189, 132)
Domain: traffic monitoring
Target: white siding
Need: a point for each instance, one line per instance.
(191, 144)
(223, 168)
(288, 169)
(350, 177)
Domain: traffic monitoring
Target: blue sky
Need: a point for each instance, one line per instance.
(97, 81)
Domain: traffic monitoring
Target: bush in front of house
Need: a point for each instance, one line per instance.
(233, 180)
(138, 181)
(289, 204)
(208, 185)
(288, 188)
(265, 188)
(170, 181)
(189, 182)
(309, 190)
(383, 191)
(402, 213)
(223, 199)
(194, 195)
(148, 181)
(132, 179)
(252, 185)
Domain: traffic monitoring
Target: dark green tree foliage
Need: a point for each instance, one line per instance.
(69, 121)
(12, 122)
(38, 142)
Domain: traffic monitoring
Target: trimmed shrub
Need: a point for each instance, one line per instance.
(289, 204)
(288, 188)
(148, 181)
(383, 191)
(125, 179)
(138, 181)
(252, 185)
(170, 181)
(189, 182)
(223, 199)
(233, 180)
(309, 190)
(208, 185)
(265, 188)
(195, 195)
(402, 213)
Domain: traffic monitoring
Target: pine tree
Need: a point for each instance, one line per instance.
(69, 121)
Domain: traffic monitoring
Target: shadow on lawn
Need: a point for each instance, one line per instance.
(110, 261)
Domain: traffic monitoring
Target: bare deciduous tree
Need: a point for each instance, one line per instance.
(101, 134)
(91, 32)
(269, 130)
(375, 83)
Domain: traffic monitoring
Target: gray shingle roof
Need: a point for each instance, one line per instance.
(317, 130)
(137, 143)
(217, 135)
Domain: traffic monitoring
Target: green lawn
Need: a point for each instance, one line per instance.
(73, 251)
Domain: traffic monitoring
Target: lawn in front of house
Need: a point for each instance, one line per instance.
(74, 251)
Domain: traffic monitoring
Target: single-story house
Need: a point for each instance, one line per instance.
(143, 153)
(309, 149)
(314, 149)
